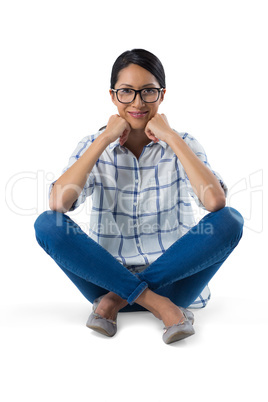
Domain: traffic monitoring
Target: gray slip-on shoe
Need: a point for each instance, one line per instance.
(188, 313)
(100, 324)
(178, 331)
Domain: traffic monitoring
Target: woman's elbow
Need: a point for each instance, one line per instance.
(57, 206)
(54, 207)
(216, 203)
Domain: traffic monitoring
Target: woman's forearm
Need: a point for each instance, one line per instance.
(205, 185)
(68, 187)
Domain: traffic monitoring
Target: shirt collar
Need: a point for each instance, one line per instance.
(116, 143)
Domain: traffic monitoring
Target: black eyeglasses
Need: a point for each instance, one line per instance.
(148, 95)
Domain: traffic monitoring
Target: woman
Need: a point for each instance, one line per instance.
(145, 251)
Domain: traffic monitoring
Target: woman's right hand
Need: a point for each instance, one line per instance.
(69, 185)
(117, 127)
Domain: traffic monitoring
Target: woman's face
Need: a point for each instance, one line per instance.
(136, 77)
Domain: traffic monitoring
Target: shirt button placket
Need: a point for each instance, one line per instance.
(136, 204)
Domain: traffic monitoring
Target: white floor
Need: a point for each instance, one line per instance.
(48, 354)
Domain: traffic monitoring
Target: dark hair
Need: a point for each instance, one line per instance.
(142, 58)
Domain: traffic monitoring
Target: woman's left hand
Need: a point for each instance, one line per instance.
(158, 128)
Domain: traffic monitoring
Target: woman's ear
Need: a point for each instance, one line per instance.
(112, 96)
(162, 95)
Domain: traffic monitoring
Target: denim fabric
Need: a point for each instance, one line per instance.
(180, 273)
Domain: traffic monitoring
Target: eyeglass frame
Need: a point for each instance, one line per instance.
(137, 91)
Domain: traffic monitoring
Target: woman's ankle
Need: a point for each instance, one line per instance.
(152, 302)
(109, 305)
(162, 307)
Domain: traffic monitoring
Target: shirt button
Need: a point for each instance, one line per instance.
(137, 181)
(134, 203)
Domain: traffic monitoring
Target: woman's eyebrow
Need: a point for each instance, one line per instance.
(127, 85)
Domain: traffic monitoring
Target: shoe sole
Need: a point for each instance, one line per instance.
(178, 337)
(100, 330)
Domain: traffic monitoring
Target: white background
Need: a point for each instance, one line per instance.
(56, 59)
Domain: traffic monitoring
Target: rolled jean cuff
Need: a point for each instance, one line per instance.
(137, 292)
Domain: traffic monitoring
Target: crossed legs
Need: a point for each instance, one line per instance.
(174, 279)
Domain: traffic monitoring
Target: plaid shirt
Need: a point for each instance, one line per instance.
(140, 207)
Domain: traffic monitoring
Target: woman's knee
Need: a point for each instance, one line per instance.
(234, 216)
(47, 221)
(234, 221)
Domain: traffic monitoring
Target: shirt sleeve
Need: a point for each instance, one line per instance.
(81, 147)
(199, 151)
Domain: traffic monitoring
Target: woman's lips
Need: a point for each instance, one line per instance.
(138, 115)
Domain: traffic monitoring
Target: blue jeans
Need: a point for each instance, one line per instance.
(180, 274)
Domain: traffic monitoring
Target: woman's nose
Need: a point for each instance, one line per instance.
(138, 102)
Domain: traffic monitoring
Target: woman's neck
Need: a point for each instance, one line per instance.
(137, 139)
